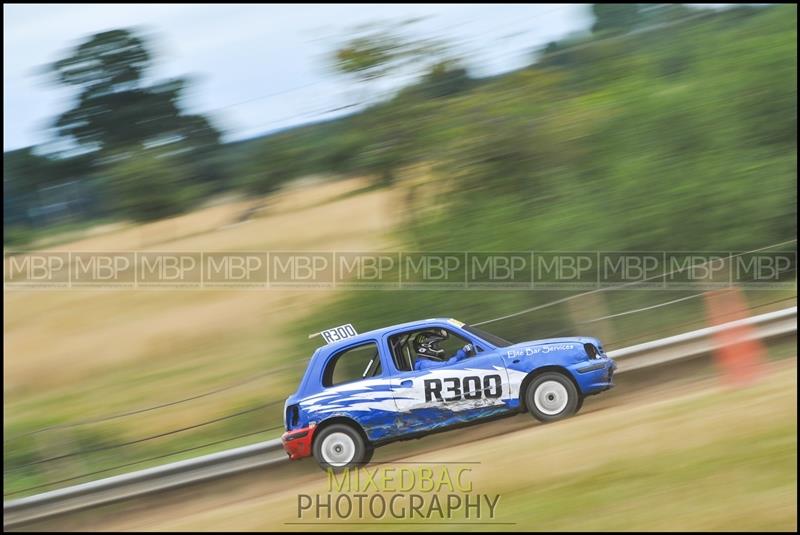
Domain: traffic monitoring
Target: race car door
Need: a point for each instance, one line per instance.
(471, 388)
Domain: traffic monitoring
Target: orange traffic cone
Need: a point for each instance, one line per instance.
(739, 353)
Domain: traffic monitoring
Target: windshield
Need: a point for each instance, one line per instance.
(489, 337)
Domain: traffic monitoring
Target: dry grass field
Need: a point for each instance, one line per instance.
(683, 456)
(77, 354)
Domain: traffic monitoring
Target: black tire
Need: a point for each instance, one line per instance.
(339, 440)
(558, 397)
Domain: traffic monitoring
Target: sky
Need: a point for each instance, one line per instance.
(253, 68)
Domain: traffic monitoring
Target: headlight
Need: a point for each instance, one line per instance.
(591, 351)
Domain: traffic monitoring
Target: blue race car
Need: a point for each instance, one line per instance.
(361, 391)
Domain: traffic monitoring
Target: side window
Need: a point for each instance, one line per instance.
(353, 364)
(402, 346)
(453, 343)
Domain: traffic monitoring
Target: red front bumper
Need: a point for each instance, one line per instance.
(297, 443)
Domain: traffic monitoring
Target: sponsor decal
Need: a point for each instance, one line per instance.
(535, 350)
(341, 332)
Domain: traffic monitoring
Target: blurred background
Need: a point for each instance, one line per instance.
(603, 127)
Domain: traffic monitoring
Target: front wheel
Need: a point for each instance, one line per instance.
(368, 455)
(552, 396)
(339, 446)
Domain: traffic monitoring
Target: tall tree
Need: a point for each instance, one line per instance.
(117, 110)
(121, 115)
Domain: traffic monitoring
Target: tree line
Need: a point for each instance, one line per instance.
(626, 114)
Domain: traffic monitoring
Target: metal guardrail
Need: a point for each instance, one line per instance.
(270, 452)
(141, 482)
(693, 343)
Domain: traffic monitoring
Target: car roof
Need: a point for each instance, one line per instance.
(377, 333)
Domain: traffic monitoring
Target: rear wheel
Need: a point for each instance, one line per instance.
(552, 396)
(340, 446)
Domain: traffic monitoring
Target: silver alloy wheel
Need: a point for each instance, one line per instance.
(551, 397)
(338, 449)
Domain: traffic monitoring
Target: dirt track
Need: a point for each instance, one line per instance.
(645, 420)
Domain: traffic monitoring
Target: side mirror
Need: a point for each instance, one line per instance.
(469, 349)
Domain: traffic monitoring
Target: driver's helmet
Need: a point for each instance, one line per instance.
(426, 344)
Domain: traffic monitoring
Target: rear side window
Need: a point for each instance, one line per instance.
(352, 364)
